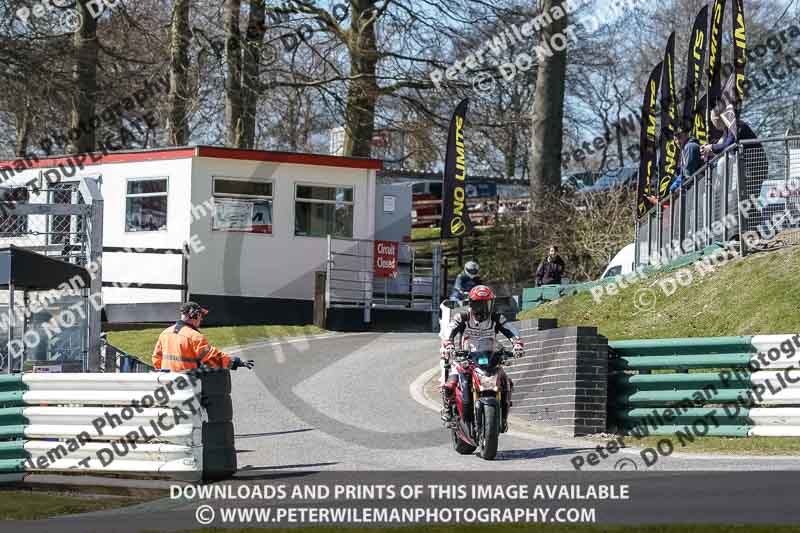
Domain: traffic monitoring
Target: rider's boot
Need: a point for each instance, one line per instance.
(447, 406)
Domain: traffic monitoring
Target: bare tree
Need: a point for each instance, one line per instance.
(548, 112)
(233, 79)
(252, 65)
(84, 77)
(180, 39)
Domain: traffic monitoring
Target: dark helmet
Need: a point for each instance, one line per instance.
(481, 302)
(193, 310)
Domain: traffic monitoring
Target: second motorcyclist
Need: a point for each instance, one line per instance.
(478, 328)
(465, 281)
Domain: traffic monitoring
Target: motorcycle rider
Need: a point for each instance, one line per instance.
(478, 328)
(465, 281)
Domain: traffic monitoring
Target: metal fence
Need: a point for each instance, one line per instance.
(62, 221)
(749, 193)
(351, 281)
(50, 221)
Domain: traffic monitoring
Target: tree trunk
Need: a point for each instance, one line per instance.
(511, 153)
(362, 93)
(84, 78)
(548, 110)
(180, 39)
(22, 118)
(233, 80)
(252, 65)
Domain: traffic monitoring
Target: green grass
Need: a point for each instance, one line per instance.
(754, 295)
(28, 505)
(731, 445)
(424, 233)
(141, 342)
(525, 528)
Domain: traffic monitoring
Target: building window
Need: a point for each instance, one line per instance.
(11, 225)
(146, 204)
(321, 211)
(242, 205)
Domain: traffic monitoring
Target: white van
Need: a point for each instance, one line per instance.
(622, 263)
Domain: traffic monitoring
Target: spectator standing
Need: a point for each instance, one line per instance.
(550, 269)
(756, 165)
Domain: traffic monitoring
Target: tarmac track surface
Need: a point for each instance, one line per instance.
(340, 408)
(343, 403)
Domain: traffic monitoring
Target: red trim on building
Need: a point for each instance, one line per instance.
(289, 157)
(202, 151)
(97, 158)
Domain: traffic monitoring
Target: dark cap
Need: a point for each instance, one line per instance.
(193, 310)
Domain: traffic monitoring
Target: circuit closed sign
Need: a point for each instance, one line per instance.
(385, 259)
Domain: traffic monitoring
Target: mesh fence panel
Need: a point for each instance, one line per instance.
(63, 237)
(771, 183)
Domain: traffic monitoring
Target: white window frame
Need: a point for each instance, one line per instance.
(331, 202)
(145, 195)
(254, 197)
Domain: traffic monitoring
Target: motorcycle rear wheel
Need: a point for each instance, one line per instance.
(460, 446)
(491, 432)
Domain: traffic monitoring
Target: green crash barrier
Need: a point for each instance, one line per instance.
(683, 346)
(686, 433)
(684, 397)
(13, 449)
(655, 415)
(682, 381)
(657, 362)
(9, 398)
(11, 416)
(11, 465)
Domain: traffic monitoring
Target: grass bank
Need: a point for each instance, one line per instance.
(30, 505)
(754, 295)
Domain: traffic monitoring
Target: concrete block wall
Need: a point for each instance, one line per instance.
(562, 380)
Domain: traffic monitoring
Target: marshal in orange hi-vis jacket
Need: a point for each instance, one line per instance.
(182, 347)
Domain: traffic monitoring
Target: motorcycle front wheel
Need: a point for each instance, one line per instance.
(490, 431)
(460, 446)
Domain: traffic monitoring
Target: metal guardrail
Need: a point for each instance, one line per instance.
(83, 422)
(735, 386)
(750, 193)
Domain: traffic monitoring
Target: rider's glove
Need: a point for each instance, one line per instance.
(448, 350)
(237, 363)
(519, 349)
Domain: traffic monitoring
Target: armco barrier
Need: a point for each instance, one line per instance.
(155, 424)
(749, 385)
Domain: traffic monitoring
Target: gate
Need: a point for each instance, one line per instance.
(62, 220)
(351, 282)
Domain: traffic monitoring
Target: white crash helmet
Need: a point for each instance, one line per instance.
(471, 269)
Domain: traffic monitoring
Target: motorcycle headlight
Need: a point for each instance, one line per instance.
(488, 382)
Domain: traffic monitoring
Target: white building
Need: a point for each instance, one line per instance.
(257, 222)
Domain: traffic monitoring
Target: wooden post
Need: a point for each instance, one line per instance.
(319, 299)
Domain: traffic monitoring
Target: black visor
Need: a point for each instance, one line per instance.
(482, 309)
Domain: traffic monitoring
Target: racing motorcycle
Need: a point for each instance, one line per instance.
(479, 401)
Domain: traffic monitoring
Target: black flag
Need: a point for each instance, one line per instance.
(739, 52)
(714, 54)
(455, 219)
(668, 147)
(694, 66)
(647, 142)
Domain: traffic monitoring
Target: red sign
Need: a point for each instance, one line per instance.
(385, 259)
